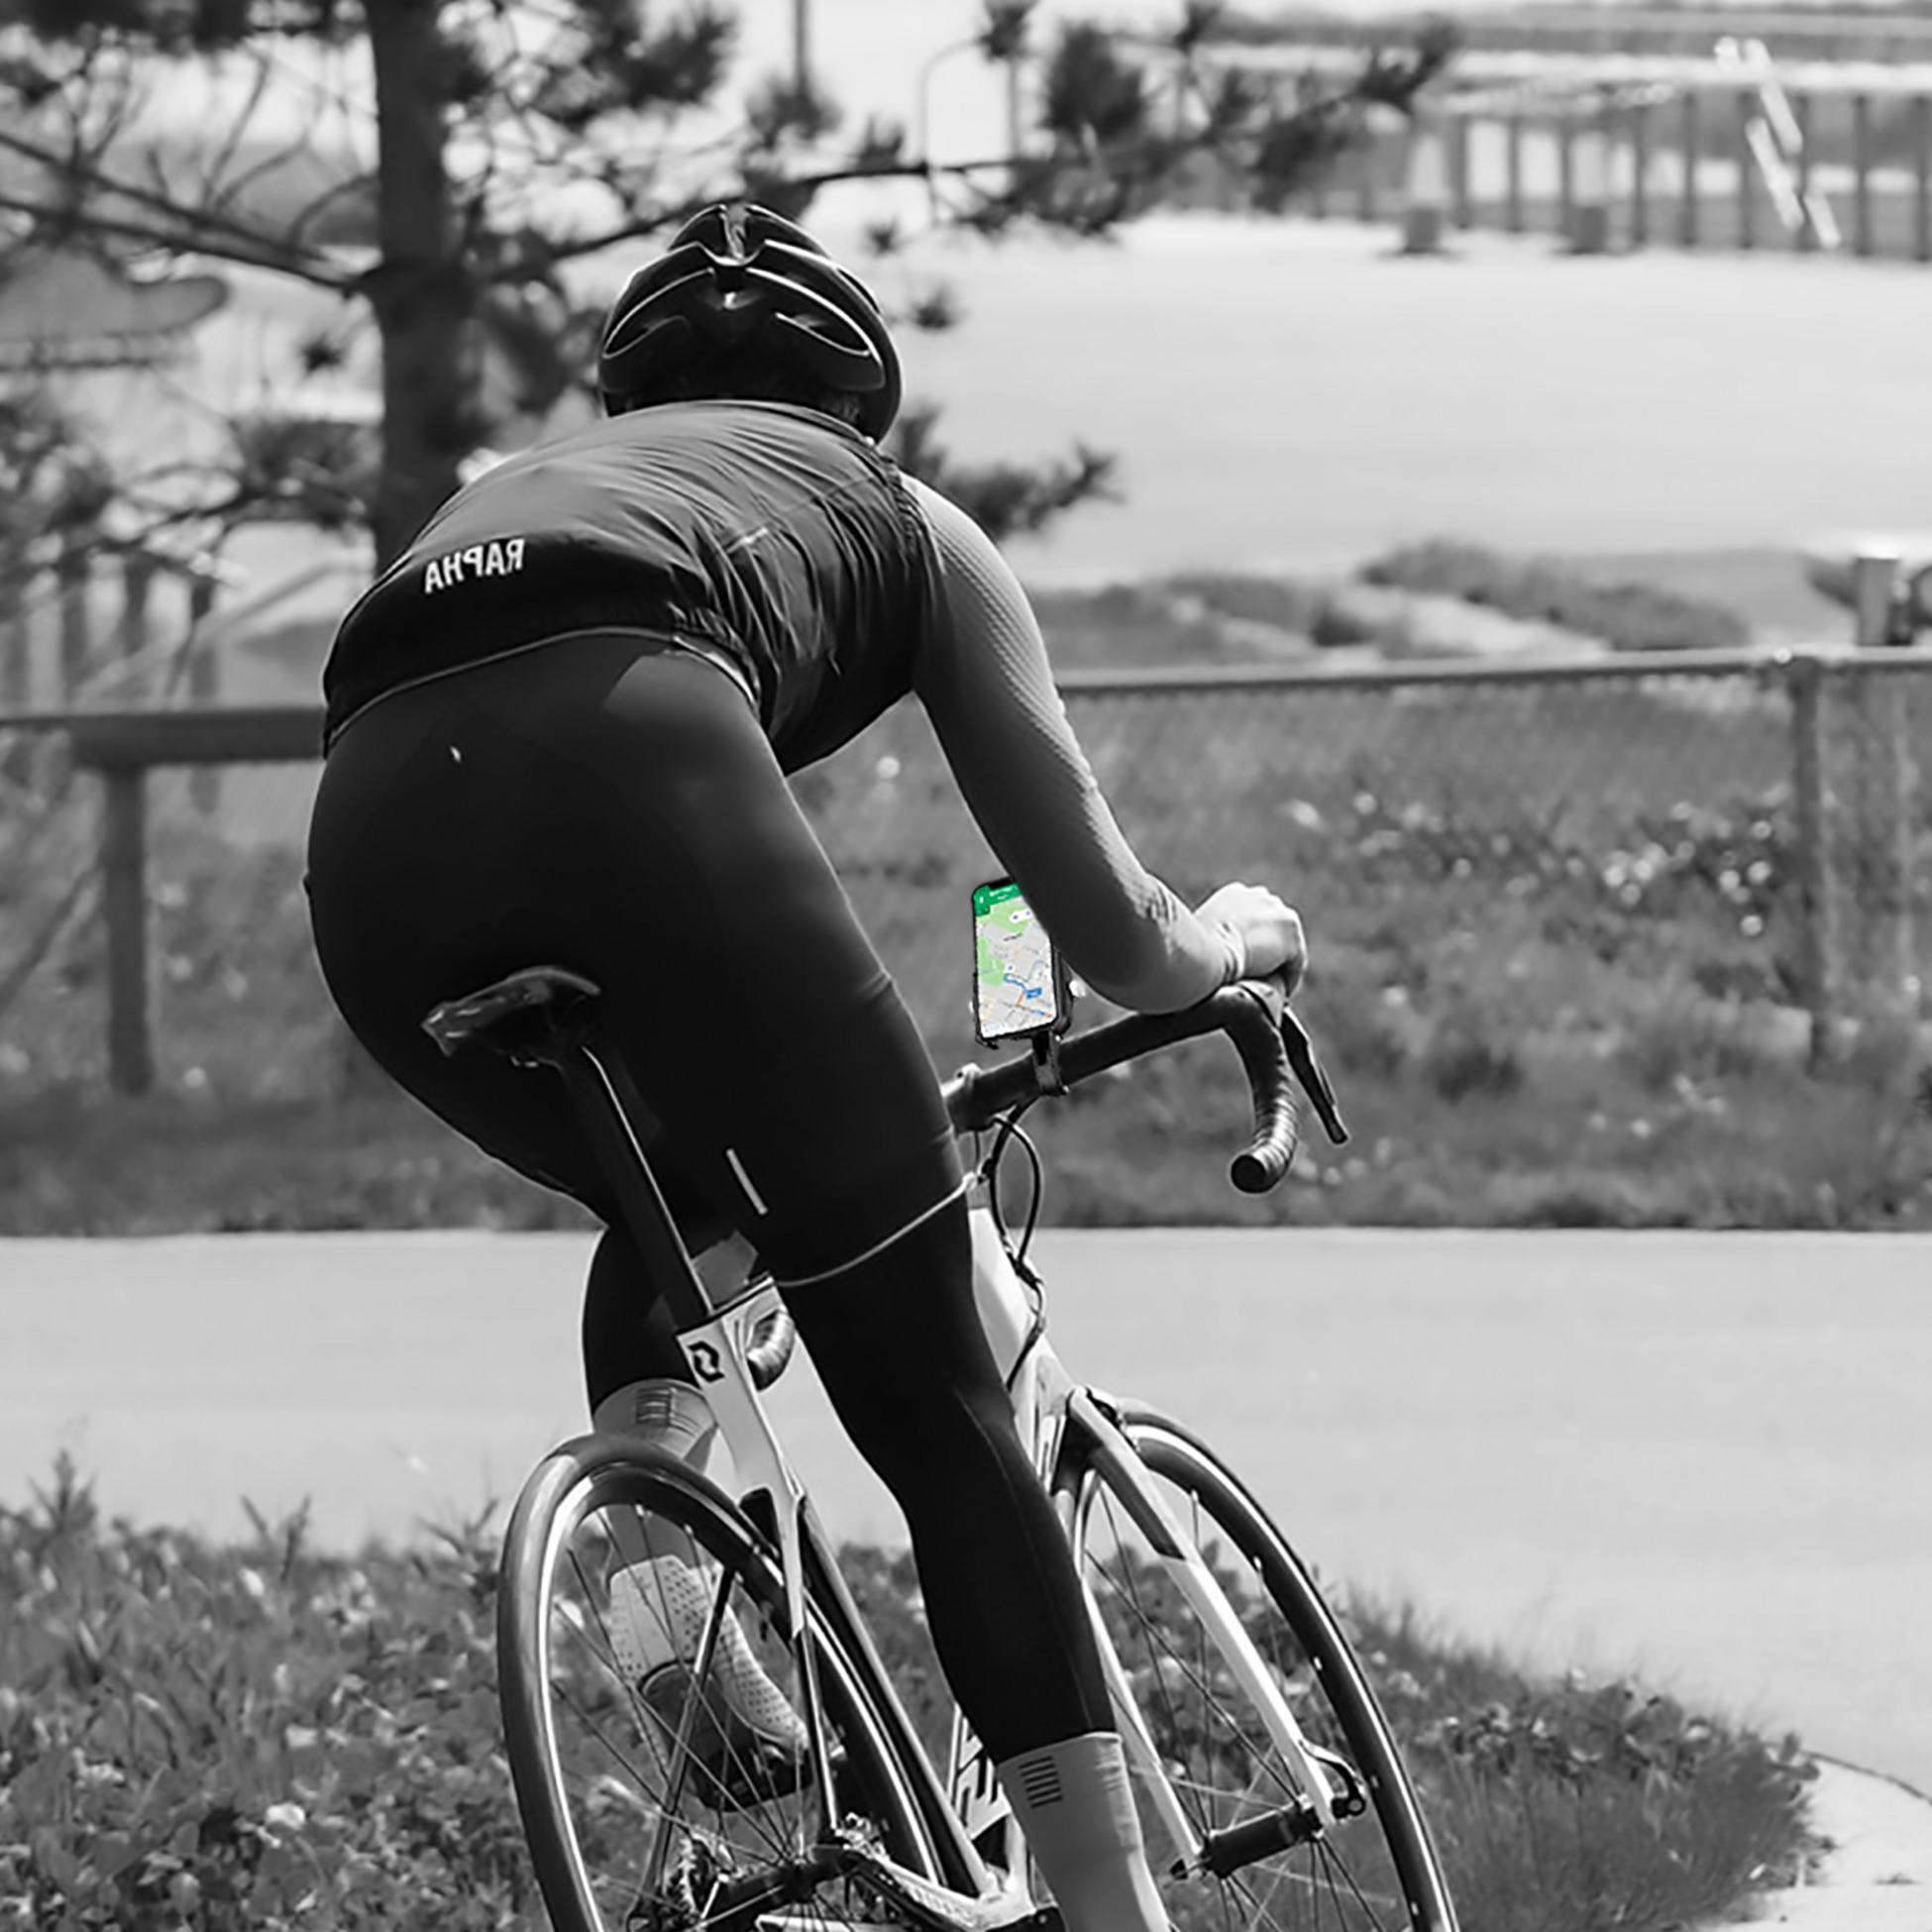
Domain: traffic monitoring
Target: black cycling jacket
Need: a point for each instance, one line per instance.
(769, 536)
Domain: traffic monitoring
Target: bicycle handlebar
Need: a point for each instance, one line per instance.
(1274, 1049)
(1276, 1052)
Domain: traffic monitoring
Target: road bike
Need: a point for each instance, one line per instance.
(1272, 1791)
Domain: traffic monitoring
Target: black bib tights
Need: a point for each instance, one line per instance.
(609, 805)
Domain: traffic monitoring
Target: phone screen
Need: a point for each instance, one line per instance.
(1017, 986)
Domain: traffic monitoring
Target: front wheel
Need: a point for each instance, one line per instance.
(648, 1802)
(1270, 1865)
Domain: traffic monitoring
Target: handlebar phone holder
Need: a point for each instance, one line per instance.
(1046, 1062)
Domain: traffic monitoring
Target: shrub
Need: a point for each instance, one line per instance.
(1292, 606)
(1365, 1030)
(1126, 628)
(1335, 625)
(1284, 603)
(1626, 617)
(1563, 1802)
(1469, 1055)
(253, 1738)
(1686, 1039)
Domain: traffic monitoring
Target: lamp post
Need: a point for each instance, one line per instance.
(923, 114)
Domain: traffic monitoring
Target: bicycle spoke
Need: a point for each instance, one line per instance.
(1269, 1864)
(647, 1701)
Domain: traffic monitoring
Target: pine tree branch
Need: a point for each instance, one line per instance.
(172, 224)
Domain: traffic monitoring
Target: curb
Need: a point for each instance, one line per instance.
(1876, 1871)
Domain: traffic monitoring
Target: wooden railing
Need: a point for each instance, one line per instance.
(122, 748)
(1633, 139)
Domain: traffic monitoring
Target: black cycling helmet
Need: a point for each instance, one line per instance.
(740, 280)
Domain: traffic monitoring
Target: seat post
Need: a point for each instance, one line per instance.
(614, 1142)
(548, 1015)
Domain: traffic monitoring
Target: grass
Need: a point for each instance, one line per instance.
(1581, 1802)
(266, 1736)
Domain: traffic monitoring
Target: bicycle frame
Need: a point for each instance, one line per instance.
(1049, 1403)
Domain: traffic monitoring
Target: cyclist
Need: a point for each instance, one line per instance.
(558, 728)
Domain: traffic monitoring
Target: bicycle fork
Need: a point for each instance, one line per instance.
(1047, 1403)
(1315, 1809)
(975, 1792)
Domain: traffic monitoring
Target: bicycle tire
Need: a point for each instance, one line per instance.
(625, 1835)
(1374, 1870)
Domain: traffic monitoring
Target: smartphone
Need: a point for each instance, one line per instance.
(1020, 982)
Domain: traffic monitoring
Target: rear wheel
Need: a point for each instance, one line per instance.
(647, 1806)
(1271, 1865)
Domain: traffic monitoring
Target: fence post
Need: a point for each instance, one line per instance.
(16, 676)
(1424, 187)
(1513, 173)
(1923, 178)
(1817, 875)
(1565, 171)
(72, 571)
(204, 685)
(16, 641)
(16, 667)
(124, 907)
(1875, 595)
(1588, 226)
(1639, 113)
(1862, 173)
(1688, 135)
(1887, 788)
(1747, 113)
(137, 588)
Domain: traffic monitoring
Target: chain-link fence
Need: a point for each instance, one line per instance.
(1738, 829)
(1562, 844)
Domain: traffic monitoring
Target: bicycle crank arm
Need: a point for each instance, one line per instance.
(932, 1908)
(746, 1905)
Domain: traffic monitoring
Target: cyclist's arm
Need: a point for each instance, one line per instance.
(984, 681)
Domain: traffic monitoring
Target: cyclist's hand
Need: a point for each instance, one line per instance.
(1265, 928)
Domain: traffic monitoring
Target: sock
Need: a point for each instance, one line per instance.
(672, 1414)
(679, 1421)
(1074, 1803)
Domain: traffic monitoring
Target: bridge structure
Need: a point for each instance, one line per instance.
(1624, 128)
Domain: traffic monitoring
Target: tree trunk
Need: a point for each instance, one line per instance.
(421, 297)
(421, 290)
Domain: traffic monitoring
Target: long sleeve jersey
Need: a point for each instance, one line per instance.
(795, 556)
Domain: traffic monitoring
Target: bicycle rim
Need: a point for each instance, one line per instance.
(1374, 1869)
(639, 1824)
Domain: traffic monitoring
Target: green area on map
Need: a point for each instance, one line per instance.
(999, 911)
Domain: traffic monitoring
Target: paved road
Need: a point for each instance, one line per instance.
(1708, 1458)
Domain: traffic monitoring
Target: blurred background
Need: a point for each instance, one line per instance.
(1470, 468)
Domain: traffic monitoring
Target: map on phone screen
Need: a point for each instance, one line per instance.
(1018, 992)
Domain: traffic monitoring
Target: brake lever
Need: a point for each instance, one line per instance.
(1314, 1082)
